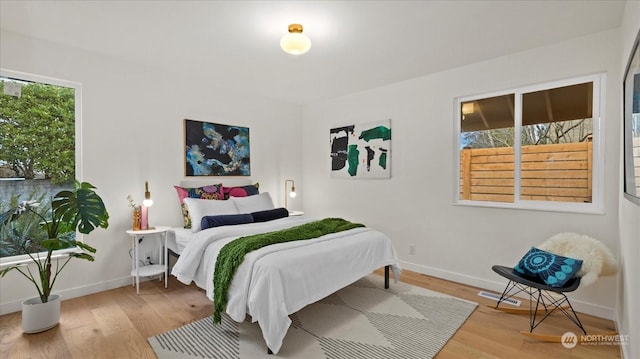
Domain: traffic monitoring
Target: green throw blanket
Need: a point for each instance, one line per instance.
(232, 254)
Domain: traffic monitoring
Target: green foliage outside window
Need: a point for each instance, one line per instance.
(37, 132)
(25, 233)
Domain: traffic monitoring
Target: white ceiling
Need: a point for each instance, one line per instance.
(356, 45)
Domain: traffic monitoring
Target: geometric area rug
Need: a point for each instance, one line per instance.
(360, 321)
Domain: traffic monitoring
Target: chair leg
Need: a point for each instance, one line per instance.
(557, 304)
(574, 318)
(506, 294)
(540, 299)
(502, 297)
(533, 314)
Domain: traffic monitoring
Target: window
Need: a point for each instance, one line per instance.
(39, 152)
(537, 147)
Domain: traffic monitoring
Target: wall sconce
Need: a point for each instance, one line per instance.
(148, 202)
(295, 42)
(467, 108)
(292, 193)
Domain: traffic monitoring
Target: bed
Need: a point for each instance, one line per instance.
(280, 279)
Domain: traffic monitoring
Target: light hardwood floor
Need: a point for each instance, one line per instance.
(117, 323)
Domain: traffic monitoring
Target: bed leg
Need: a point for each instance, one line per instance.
(170, 253)
(166, 260)
(386, 277)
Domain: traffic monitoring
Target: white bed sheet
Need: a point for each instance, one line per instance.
(281, 279)
(177, 238)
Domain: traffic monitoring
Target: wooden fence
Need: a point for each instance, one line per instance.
(557, 172)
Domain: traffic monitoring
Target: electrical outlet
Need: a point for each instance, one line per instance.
(412, 249)
(147, 258)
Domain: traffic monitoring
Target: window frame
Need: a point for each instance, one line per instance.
(598, 105)
(24, 258)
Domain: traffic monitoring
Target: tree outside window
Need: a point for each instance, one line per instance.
(37, 153)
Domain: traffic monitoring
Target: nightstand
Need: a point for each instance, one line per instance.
(137, 271)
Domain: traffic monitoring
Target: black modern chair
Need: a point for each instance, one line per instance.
(542, 298)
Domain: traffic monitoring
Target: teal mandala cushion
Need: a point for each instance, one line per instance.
(548, 268)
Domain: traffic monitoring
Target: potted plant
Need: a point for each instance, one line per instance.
(80, 209)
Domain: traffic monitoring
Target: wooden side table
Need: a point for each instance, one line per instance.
(150, 270)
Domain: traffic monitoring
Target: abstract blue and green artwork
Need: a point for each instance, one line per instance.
(361, 151)
(213, 149)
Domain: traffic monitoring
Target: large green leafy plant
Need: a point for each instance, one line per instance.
(80, 209)
(25, 234)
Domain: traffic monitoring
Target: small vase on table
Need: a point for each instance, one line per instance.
(137, 218)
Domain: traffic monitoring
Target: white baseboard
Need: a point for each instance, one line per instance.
(580, 306)
(16, 306)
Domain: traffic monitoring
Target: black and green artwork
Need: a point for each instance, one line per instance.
(361, 151)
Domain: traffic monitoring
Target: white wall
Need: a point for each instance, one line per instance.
(628, 310)
(133, 131)
(416, 205)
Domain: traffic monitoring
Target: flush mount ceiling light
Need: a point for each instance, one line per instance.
(295, 42)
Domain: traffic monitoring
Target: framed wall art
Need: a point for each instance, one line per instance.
(361, 151)
(631, 125)
(213, 149)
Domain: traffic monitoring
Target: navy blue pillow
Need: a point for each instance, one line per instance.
(225, 220)
(548, 268)
(270, 214)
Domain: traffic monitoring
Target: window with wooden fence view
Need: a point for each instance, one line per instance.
(553, 159)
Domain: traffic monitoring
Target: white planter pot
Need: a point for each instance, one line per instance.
(38, 317)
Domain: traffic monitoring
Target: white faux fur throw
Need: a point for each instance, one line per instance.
(596, 257)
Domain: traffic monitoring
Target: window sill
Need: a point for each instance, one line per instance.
(25, 259)
(561, 207)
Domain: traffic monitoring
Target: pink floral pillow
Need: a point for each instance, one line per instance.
(213, 191)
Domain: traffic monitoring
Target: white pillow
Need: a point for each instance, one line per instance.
(199, 208)
(255, 203)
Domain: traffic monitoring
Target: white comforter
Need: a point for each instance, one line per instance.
(281, 279)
